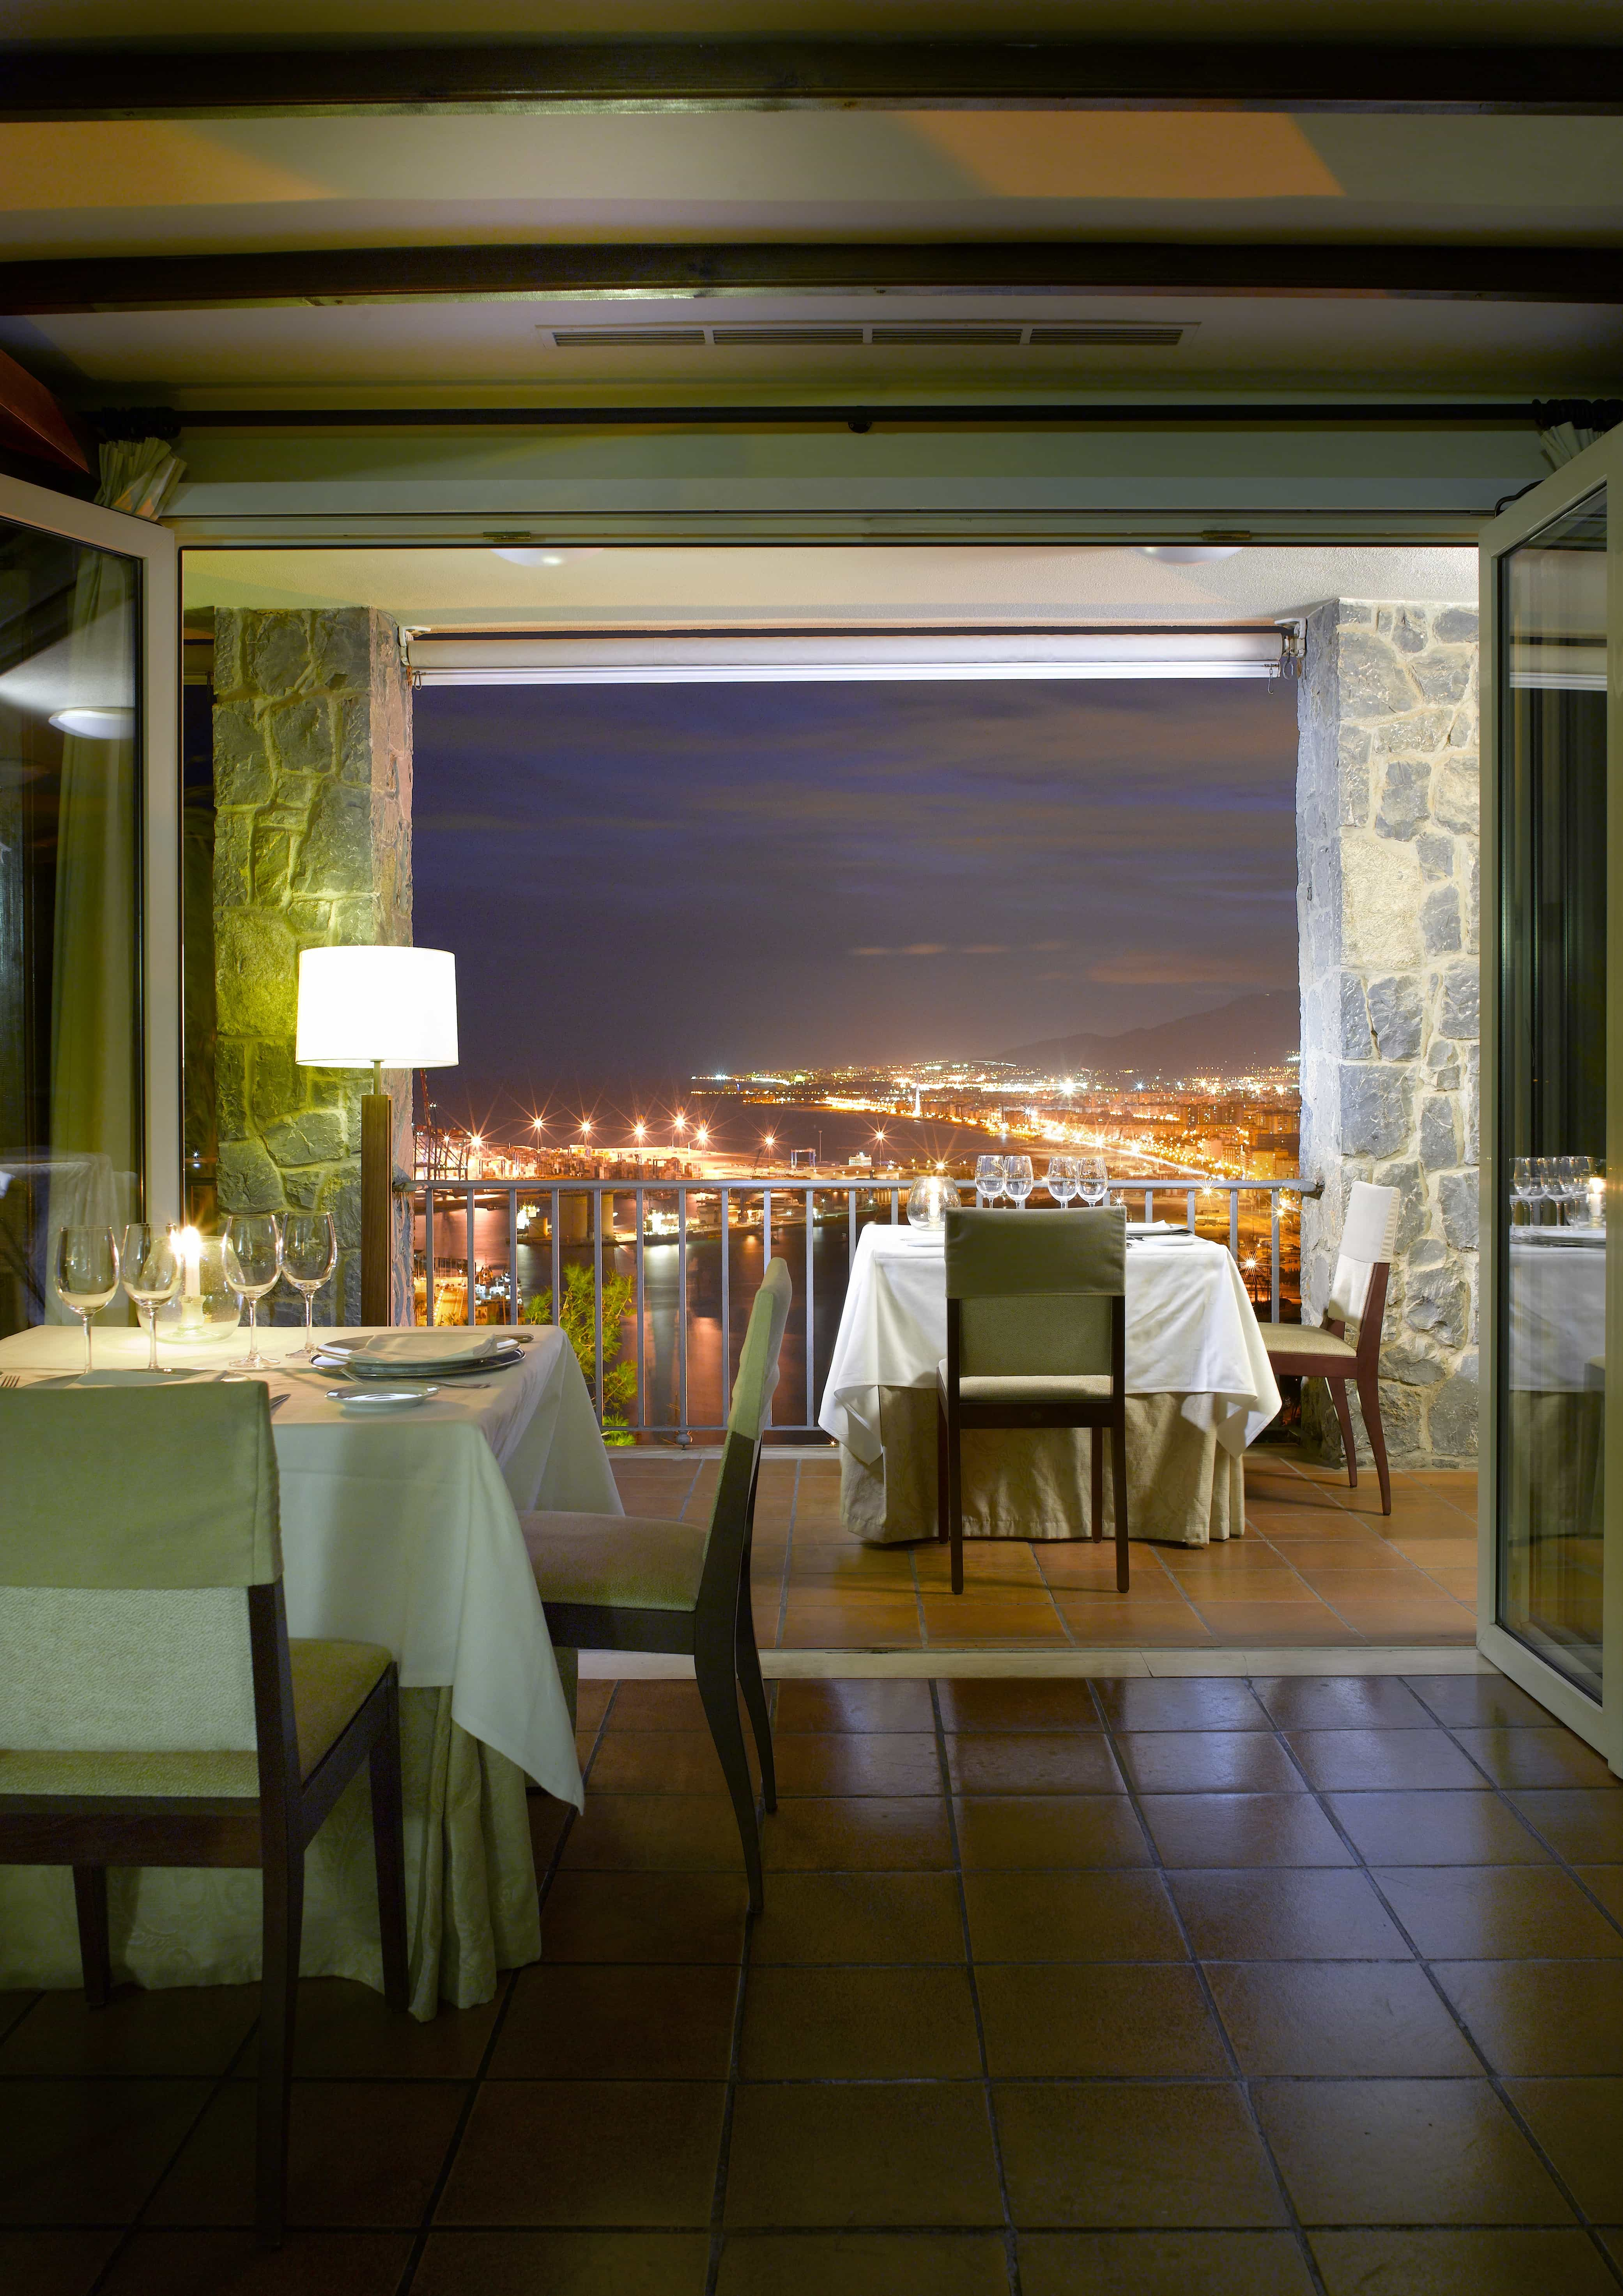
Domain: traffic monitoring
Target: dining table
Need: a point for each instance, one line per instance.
(401, 1528)
(1199, 1390)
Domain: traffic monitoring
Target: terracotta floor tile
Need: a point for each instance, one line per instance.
(656, 1706)
(1189, 1761)
(509, 2263)
(991, 1565)
(189, 2263)
(1195, 1705)
(595, 2021)
(1016, 1704)
(88, 2152)
(1510, 2262)
(862, 2264)
(1404, 2152)
(1540, 2017)
(850, 1622)
(1032, 1762)
(950, 1620)
(1436, 1829)
(1083, 1917)
(54, 2263)
(1162, 2264)
(1328, 1702)
(1048, 1832)
(347, 2031)
(1535, 1758)
(1288, 1625)
(1243, 1829)
(1459, 1913)
(857, 1833)
(1479, 1701)
(1124, 1622)
(584, 2153)
(1286, 1916)
(642, 1917)
(851, 1762)
(361, 2152)
(1069, 1565)
(852, 1706)
(837, 2154)
(859, 2024)
(1606, 1882)
(1109, 2154)
(863, 1570)
(670, 1833)
(661, 1761)
(187, 2029)
(1338, 2017)
(1074, 2020)
(814, 1918)
(1582, 1823)
(1579, 2123)
(1395, 1761)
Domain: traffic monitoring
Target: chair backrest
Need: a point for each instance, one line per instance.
(1368, 1235)
(729, 1516)
(133, 1524)
(1035, 1290)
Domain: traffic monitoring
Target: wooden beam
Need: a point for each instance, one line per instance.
(1452, 273)
(1295, 75)
(31, 423)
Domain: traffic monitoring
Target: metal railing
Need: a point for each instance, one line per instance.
(741, 1193)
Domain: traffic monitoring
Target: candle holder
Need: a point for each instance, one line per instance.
(206, 1307)
(929, 1200)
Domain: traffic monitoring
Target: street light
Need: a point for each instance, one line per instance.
(702, 1136)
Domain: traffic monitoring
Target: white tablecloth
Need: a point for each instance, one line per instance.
(1191, 1332)
(403, 1529)
(1557, 1309)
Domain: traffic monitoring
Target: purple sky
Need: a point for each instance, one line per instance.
(641, 881)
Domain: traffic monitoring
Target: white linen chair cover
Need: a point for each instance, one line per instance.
(1368, 1235)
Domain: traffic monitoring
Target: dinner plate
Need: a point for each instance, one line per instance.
(365, 1399)
(359, 1367)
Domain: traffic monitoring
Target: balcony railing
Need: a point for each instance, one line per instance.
(489, 1228)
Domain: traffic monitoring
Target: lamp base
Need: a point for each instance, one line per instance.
(376, 1206)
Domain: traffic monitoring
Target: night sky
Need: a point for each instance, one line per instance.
(644, 881)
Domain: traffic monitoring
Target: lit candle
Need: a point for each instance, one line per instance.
(190, 1285)
(1597, 1203)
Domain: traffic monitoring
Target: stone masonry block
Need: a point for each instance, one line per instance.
(1456, 626)
(1381, 898)
(1455, 1413)
(277, 654)
(1459, 1001)
(232, 858)
(256, 977)
(1436, 855)
(1459, 1200)
(1409, 1366)
(230, 671)
(316, 1136)
(278, 1082)
(337, 857)
(305, 737)
(1456, 799)
(242, 762)
(248, 1182)
(1404, 627)
(342, 641)
(1373, 683)
(1440, 931)
(1398, 1016)
(1406, 798)
(1357, 1041)
(1442, 1064)
(1439, 1140)
(1438, 1303)
(1444, 675)
(231, 1087)
(1377, 1110)
(1413, 1209)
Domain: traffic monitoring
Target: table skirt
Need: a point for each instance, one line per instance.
(1184, 1485)
(471, 1900)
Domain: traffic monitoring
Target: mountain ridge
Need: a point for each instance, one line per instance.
(1252, 1032)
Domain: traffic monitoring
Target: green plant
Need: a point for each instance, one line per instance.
(619, 1379)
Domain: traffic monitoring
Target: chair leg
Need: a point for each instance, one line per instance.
(283, 1886)
(95, 1947)
(718, 1693)
(747, 1666)
(955, 1505)
(943, 1531)
(1118, 1493)
(1369, 1402)
(1096, 1450)
(1338, 1395)
(389, 1847)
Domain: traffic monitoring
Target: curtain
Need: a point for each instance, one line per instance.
(1566, 426)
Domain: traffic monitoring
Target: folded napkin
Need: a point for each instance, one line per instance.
(442, 1344)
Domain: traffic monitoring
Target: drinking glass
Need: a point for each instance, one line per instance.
(1524, 1187)
(988, 1179)
(1547, 1182)
(86, 1271)
(150, 1260)
(1062, 1179)
(1017, 1180)
(254, 1242)
(309, 1254)
(1094, 1179)
(1575, 1172)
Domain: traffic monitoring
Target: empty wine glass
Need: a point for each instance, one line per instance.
(1575, 1172)
(309, 1254)
(1017, 1180)
(150, 1260)
(85, 1272)
(1063, 1180)
(1547, 1182)
(1094, 1179)
(1524, 1186)
(254, 1240)
(988, 1179)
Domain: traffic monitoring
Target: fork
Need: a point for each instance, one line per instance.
(9, 1379)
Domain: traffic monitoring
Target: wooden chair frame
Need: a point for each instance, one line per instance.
(91, 1833)
(1104, 1414)
(1363, 1371)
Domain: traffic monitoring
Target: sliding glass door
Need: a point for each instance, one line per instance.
(88, 937)
(1553, 1161)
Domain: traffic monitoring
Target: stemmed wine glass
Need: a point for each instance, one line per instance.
(150, 1259)
(1063, 1180)
(1017, 1180)
(988, 1179)
(253, 1261)
(87, 1273)
(1524, 1187)
(1575, 1172)
(1546, 1185)
(1094, 1179)
(309, 1254)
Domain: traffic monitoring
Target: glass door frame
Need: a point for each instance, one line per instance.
(1601, 1726)
(159, 891)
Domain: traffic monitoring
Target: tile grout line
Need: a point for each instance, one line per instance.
(1011, 2255)
(1494, 2081)
(1241, 2079)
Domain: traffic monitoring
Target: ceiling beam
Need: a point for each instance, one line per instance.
(86, 83)
(1191, 414)
(591, 271)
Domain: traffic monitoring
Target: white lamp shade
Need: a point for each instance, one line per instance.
(396, 1005)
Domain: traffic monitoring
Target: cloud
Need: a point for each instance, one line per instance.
(1189, 969)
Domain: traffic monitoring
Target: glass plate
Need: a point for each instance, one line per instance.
(380, 1398)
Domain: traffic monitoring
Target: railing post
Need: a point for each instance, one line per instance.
(514, 1302)
(557, 1261)
(642, 1384)
(1234, 1220)
(811, 1327)
(851, 1218)
(726, 1337)
(597, 1296)
(766, 1228)
(428, 1251)
(682, 1309)
(470, 1317)
(1273, 1208)
(1190, 1210)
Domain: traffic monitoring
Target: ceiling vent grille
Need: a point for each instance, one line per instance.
(920, 335)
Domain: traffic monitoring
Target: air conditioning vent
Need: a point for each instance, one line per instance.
(614, 339)
(925, 334)
(919, 335)
(1150, 339)
(766, 334)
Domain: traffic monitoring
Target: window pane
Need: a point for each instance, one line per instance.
(69, 809)
(1552, 1236)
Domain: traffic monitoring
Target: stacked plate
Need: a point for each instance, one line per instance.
(438, 1354)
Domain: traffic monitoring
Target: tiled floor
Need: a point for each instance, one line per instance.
(1319, 1565)
(1131, 1986)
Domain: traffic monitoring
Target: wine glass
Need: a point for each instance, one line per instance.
(1063, 1180)
(150, 1259)
(1017, 1180)
(1575, 1172)
(988, 1179)
(1546, 1183)
(254, 1242)
(87, 1273)
(1094, 1179)
(309, 1254)
(1524, 1187)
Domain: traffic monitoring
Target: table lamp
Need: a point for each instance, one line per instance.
(376, 1008)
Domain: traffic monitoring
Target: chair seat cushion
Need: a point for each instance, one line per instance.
(1310, 1342)
(628, 1561)
(1028, 1387)
(332, 1681)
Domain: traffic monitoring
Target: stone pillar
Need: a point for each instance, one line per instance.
(1386, 898)
(312, 845)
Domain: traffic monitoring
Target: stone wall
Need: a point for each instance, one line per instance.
(1387, 897)
(312, 845)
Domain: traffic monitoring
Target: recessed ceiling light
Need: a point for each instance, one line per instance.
(1189, 553)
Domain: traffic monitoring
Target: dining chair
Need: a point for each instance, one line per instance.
(642, 1582)
(1357, 1294)
(1036, 1337)
(154, 1711)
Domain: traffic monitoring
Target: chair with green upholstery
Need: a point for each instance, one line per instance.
(1036, 1337)
(154, 1711)
(640, 1583)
